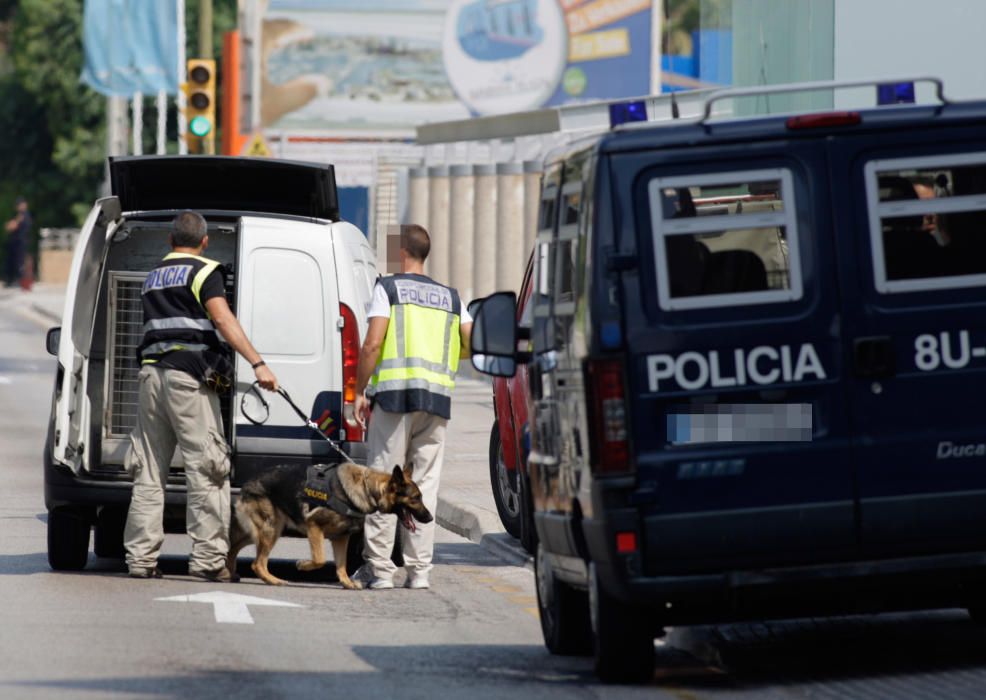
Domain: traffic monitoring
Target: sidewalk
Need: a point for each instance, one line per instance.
(465, 499)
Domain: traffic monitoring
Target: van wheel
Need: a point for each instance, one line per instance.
(354, 552)
(623, 640)
(68, 540)
(564, 612)
(107, 540)
(528, 533)
(504, 481)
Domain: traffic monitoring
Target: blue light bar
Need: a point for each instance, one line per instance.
(895, 93)
(624, 112)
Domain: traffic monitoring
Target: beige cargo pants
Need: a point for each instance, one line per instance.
(397, 439)
(177, 409)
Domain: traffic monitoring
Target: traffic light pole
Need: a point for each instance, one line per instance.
(208, 142)
(205, 29)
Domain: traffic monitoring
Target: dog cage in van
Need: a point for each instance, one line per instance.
(124, 331)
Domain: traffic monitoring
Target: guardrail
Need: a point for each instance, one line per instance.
(58, 238)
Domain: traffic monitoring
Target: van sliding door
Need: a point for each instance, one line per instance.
(287, 301)
(913, 268)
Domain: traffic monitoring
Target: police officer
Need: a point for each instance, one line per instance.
(182, 366)
(407, 365)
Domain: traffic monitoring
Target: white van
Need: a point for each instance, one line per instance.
(298, 279)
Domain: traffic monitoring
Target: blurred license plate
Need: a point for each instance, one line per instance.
(755, 422)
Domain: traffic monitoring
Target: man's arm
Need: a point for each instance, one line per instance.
(368, 356)
(230, 329)
(465, 339)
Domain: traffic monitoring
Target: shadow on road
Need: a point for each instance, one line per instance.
(925, 652)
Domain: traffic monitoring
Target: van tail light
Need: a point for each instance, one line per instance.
(350, 363)
(608, 411)
(824, 120)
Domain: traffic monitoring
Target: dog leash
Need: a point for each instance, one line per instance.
(301, 414)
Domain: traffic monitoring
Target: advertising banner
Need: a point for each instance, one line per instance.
(389, 65)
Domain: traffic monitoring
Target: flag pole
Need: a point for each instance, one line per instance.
(180, 95)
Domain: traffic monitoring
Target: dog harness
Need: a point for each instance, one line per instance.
(323, 489)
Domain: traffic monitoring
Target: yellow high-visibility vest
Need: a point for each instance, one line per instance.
(420, 353)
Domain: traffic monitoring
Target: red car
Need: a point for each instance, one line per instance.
(510, 440)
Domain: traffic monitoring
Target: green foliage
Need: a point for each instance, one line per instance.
(52, 126)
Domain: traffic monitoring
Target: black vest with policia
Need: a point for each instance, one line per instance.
(177, 330)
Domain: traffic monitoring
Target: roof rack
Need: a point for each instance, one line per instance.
(817, 85)
(589, 117)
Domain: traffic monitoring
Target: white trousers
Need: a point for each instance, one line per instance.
(396, 439)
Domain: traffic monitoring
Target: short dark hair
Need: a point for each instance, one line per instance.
(190, 229)
(416, 241)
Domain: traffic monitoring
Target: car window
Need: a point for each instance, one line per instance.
(927, 216)
(725, 239)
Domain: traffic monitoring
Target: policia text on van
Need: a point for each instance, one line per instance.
(699, 272)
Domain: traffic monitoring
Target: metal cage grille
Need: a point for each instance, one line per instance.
(127, 319)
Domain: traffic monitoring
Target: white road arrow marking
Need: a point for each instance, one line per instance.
(4, 380)
(229, 607)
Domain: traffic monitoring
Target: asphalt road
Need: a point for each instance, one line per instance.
(100, 634)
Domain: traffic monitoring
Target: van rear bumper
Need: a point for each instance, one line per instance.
(835, 588)
(64, 488)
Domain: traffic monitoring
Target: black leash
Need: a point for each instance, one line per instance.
(301, 414)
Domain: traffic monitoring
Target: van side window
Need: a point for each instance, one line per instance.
(540, 302)
(565, 248)
(927, 217)
(725, 239)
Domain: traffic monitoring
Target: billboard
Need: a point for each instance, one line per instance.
(381, 67)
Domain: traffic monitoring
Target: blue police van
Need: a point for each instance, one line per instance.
(757, 365)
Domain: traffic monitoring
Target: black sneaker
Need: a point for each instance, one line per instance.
(146, 573)
(221, 575)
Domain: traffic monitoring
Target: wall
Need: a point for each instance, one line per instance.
(917, 38)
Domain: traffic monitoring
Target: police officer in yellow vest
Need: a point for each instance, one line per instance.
(418, 329)
(183, 363)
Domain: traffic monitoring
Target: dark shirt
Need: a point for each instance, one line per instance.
(19, 236)
(189, 360)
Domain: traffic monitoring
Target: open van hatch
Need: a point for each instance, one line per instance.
(220, 183)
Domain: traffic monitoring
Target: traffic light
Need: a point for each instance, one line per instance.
(201, 109)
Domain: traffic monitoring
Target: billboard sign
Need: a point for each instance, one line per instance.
(384, 68)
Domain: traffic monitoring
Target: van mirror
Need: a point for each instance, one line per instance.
(53, 339)
(494, 334)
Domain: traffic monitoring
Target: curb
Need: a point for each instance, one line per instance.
(42, 311)
(481, 528)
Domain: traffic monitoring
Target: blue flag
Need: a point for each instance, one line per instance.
(131, 46)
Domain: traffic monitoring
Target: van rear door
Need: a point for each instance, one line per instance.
(738, 415)
(288, 304)
(913, 267)
(72, 407)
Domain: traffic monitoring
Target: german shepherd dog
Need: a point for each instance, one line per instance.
(276, 500)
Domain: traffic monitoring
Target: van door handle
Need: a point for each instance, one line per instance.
(874, 357)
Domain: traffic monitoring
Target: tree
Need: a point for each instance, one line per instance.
(52, 126)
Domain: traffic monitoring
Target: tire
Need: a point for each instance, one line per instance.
(354, 552)
(623, 638)
(564, 612)
(528, 533)
(504, 483)
(107, 540)
(68, 540)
